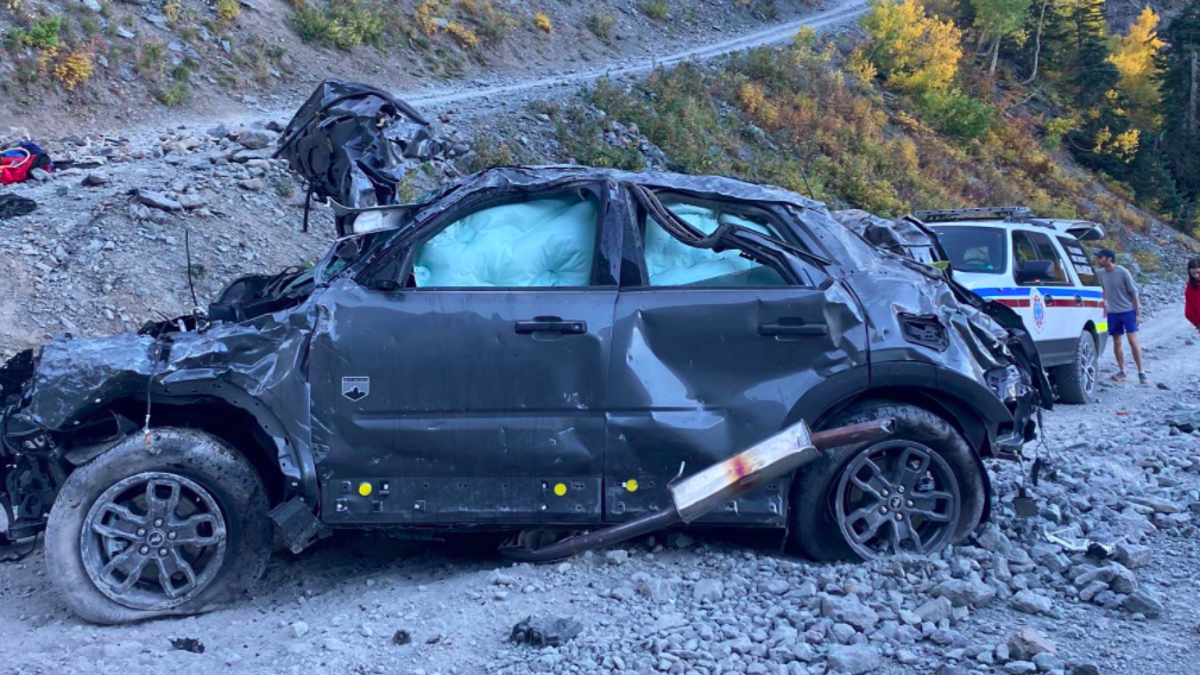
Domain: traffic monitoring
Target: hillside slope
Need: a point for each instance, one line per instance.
(104, 65)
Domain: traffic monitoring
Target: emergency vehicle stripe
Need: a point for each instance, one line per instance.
(1054, 292)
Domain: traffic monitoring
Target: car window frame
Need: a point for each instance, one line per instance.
(1065, 240)
(1028, 234)
(1057, 257)
(600, 279)
(635, 241)
(1006, 255)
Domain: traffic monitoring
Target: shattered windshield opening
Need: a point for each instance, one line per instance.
(974, 250)
(347, 251)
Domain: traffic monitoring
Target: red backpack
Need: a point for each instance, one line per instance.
(16, 164)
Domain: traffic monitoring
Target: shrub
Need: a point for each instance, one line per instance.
(542, 21)
(426, 16)
(600, 25)
(655, 9)
(43, 34)
(465, 36)
(228, 11)
(173, 11)
(956, 114)
(150, 60)
(74, 69)
(344, 24)
(490, 22)
(490, 151)
(174, 95)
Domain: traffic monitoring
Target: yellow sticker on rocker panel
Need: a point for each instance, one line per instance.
(560, 489)
(631, 485)
(365, 489)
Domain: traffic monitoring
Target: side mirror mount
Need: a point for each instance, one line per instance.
(1032, 271)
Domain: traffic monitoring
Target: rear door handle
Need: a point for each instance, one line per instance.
(792, 329)
(550, 324)
(1079, 301)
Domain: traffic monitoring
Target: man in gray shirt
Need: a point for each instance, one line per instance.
(1124, 311)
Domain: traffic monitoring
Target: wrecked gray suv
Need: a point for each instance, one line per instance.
(531, 349)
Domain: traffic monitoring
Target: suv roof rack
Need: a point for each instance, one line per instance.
(985, 213)
(1083, 230)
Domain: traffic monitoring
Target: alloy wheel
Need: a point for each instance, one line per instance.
(897, 497)
(153, 541)
(1087, 364)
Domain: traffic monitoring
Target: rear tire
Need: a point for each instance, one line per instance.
(823, 497)
(1076, 381)
(135, 535)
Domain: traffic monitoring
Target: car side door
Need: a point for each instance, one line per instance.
(1051, 317)
(713, 352)
(466, 383)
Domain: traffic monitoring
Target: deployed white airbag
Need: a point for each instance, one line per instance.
(671, 262)
(544, 242)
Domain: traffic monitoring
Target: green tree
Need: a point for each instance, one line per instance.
(1179, 81)
(998, 20)
(1079, 49)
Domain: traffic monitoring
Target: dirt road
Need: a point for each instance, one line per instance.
(482, 97)
(721, 604)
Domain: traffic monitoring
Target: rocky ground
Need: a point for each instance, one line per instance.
(1012, 600)
(107, 250)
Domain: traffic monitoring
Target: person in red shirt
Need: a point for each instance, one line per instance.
(1191, 294)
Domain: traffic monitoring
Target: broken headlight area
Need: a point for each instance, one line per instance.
(925, 330)
(1008, 383)
(30, 473)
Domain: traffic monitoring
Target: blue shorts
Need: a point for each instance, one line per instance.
(1120, 323)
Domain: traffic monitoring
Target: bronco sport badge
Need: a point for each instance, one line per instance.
(356, 388)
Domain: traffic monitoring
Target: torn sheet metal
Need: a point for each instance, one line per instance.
(353, 143)
(904, 236)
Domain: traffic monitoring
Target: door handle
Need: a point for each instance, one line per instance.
(785, 328)
(550, 324)
(1079, 301)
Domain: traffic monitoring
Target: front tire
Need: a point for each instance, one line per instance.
(1076, 381)
(135, 535)
(915, 492)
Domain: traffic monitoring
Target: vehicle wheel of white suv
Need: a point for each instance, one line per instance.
(1076, 382)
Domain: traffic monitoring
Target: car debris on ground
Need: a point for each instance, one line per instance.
(545, 632)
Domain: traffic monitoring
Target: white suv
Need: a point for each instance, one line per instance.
(1037, 267)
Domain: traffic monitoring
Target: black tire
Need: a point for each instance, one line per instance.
(1076, 381)
(216, 521)
(815, 527)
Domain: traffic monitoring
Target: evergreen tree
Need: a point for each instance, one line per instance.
(1180, 89)
(1105, 138)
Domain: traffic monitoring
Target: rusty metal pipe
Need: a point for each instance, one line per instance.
(705, 490)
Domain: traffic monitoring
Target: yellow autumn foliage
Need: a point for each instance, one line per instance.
(1134, 54)
(74, 69)
(915, 52)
